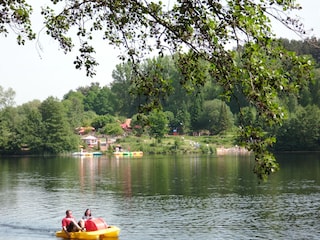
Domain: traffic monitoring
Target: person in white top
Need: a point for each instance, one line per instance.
(85, 217)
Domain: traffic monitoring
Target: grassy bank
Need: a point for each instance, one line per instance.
(177, 144)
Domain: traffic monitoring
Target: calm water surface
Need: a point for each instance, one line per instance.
(162, 197)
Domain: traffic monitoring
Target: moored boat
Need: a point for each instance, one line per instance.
(110, 232)
(87, 154)
(82, 154)
(97, 153)
(129, 154)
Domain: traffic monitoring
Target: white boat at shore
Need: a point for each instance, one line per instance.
(86, 154)
(82, 154)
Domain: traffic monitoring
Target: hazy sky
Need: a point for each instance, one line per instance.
(37, 73)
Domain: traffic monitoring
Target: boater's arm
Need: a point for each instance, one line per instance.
(64, 228)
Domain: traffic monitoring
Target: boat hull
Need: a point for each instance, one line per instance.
(129, 154)
(82, 154)
(110, 232)
(97, 153)
(87, 154)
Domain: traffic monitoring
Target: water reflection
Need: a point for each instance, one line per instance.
(156, 197)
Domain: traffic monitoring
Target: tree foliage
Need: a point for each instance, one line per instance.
(216, 116)
(57, 136)
(128, 103)
(33, 128)
(6, 97)
(301, 131)
(16, 15)
(158, 124)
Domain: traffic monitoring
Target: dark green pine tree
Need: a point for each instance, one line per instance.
(195, 112)
(223, 118)
(32, 133)
(183, 119)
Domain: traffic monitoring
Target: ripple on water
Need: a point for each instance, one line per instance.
(224, 216)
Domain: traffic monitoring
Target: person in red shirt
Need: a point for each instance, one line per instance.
(69, 223)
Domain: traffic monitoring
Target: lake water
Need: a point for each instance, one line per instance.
(162, 197)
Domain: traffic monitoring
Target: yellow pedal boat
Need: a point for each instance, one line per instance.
(110, 232)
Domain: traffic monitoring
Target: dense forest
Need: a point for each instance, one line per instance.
(51, 126)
